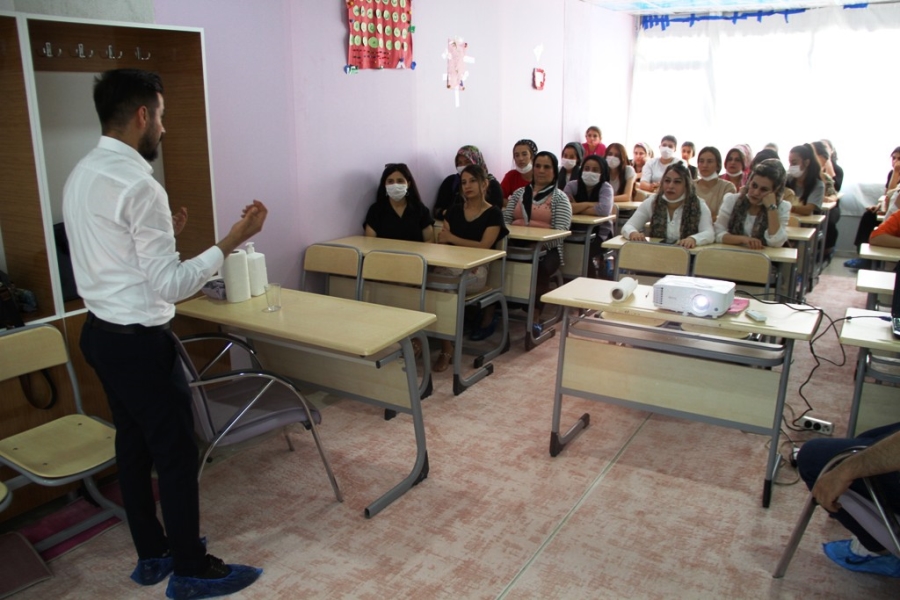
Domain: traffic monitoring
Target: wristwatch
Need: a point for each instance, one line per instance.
(772, 207)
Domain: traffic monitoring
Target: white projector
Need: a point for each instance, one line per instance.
(693, 295)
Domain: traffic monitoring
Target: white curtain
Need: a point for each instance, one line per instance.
(826, 73)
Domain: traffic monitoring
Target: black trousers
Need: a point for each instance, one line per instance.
(151, 407)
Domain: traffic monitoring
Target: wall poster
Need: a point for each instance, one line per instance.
(380, 35)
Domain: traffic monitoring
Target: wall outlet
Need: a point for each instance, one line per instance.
(817, 425)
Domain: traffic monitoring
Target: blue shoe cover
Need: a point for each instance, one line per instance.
(188, 588)
(840, 553)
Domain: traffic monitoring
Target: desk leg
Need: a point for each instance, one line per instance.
(460, 383)
(530, 340)
(420, 468)
(857, 390)
(772, 466)
(557, 443)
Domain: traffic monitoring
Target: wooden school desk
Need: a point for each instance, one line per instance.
(354, 349)
(874, 283)
(718, 380)
(447, 305)
(816, 222)
(879, 254)
(873, 404)
(577, 247)
(521, 274)
(803, 237)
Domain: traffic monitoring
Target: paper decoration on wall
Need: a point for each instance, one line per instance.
(538, 76)
(380, 35)
(457, 59)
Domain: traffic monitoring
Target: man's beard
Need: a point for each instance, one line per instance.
(148, 148)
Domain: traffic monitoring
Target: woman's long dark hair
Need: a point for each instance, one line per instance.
(581, 194)
(412, 192)
(812, 175)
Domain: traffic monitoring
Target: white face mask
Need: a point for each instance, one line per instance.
(678, 199)
(735, 173)
(666, 153)
(795, 171)
(459, 170)
(613, 162)
(590, 179)
(396, 191)
(567, 163)
(712, 177)
(526, 169)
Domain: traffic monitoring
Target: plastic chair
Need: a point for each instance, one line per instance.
(70, 448)
(338, 260)
(871, 513)
(734, 264)
(237, 405)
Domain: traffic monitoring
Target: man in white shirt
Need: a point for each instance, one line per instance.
(122, 239)
(651, 176)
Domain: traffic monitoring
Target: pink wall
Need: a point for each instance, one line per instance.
(289, 127)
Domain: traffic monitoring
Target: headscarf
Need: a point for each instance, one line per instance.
(530, 195)
(576, 170)
(747, 156)
(690, 209)
(473, 155)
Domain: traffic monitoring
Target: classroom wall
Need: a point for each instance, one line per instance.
(289, 127)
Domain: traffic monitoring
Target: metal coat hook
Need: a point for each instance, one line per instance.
(79, 52)
(47, 51)
(137, 53)
(110, 53)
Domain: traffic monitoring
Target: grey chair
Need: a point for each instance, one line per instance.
(236, 405)
(341, 265)
(73, 447)
(871, 513)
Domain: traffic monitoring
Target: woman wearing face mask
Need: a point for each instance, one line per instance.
(474, 223)
(520, 176)
(737, 165)
(398, 212)
(675, 213)
(653, 171)
(450, 193)
(542, 204)
(569, 164)
(621, 174)
(592, 194)
(823, 157)
(804, 180)
(710, 187)
(757, 216)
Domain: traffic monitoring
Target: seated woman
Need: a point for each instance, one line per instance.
(651, 175)
(804, 180)
(710, 187)
(832, 167)
(593, 143)
(737, 165)
(887, 205)
(621, 174)
(520, 176)
(398, 212)
(642, 153)
(474, 223)
(542, 204)
(756, 216)
(449, 193)
(593, 195)
(688, 150)
(675, 213)
(569, 164)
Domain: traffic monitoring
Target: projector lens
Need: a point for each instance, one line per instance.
(700, 304)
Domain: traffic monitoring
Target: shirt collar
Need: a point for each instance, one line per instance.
(119, 147)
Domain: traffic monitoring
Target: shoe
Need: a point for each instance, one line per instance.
(536, 330)
(485, 332)
(150, 571)
(444, 360)
(858, 263)
(840, 553)
(219, 579)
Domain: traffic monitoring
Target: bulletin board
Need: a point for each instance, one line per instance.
(380, 34)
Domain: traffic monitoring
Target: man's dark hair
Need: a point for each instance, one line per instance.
(120, 92)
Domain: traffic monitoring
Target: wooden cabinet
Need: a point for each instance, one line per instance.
(46, 70)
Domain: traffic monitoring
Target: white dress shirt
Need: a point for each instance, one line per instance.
(122, 241)
(775, 240)
(654, 169)
(705, 234)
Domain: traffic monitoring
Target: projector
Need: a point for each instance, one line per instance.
(693, 295)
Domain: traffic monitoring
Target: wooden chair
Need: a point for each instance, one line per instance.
(237, 405)
(872, 513)
(341, 264)
(643, 258)
(740, 266)
(67, 449)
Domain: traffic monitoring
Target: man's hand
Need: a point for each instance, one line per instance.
(252, 218)
(179, 220)
(829, 487)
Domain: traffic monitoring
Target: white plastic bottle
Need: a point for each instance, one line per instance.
(256, 265)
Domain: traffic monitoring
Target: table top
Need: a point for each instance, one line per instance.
(595, 294)
(781, 254)
(350, 326)
(591, 219)
(875, 282)
(814, 220)
(873, 333)
(879, 252)
(628, 205)
(826, 206)
(437, 255)
(535, 234)
(800, 234)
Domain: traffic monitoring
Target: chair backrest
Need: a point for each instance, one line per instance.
(203, 421)
(646, 257)
(733, 265)
(392, 266)
(333, 259)
(876, 517)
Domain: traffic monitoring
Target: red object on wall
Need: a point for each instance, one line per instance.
(538, 77)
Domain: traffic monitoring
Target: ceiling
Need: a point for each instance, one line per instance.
(658, 7)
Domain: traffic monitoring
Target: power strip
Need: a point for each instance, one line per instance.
(817, 425)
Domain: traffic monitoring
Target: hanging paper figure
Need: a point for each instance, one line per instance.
(456, 59)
